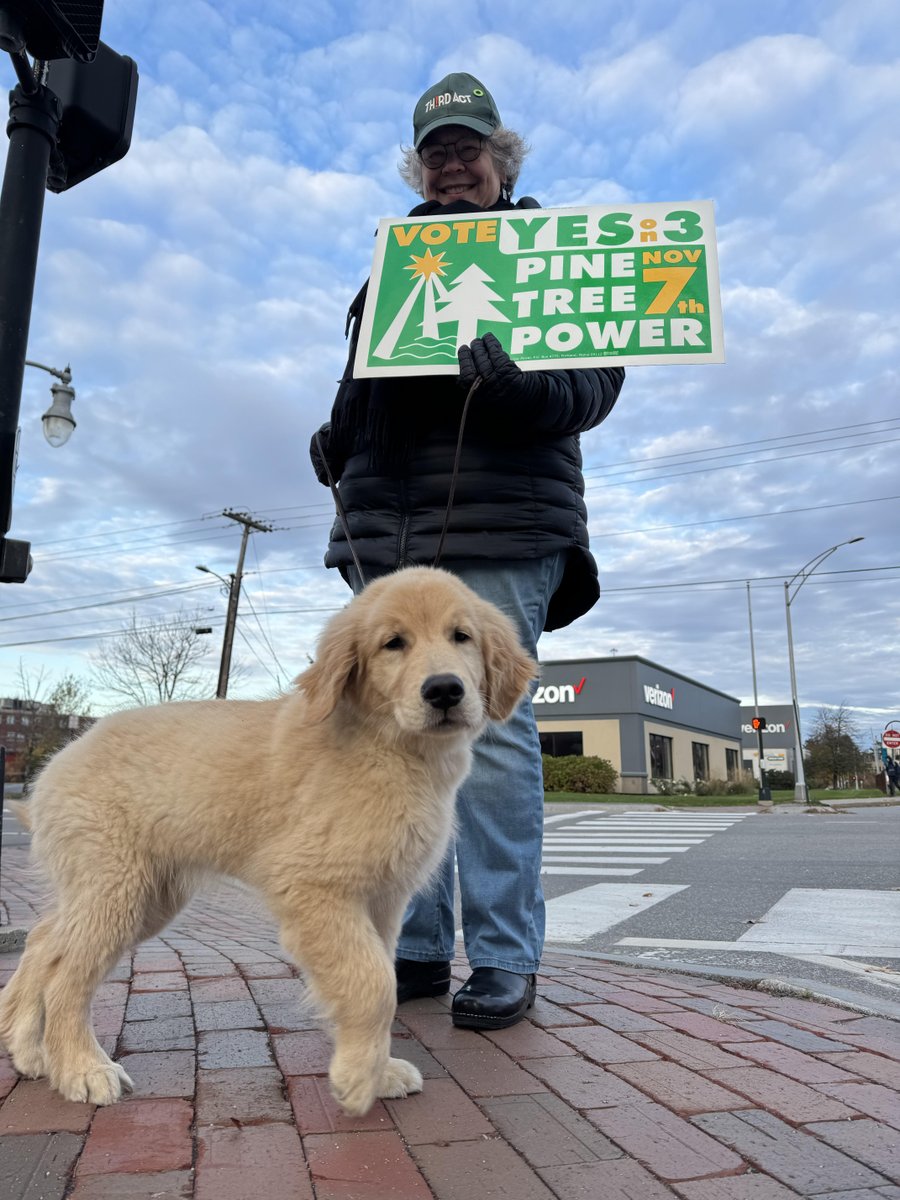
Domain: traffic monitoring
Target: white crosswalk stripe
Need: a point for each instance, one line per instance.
(580, 846)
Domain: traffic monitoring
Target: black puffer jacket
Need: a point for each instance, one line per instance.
(519, 494)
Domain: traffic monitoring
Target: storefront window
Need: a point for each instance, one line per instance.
(701, 760)
(559, 745)
(660, 756)
(732, 763)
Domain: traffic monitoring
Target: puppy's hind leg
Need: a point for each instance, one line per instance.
(351, 976)
(22, 1005)
(96, 925)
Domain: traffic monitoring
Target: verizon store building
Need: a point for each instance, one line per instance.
(648, 721)
(778, 738)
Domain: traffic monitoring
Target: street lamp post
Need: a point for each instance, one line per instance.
(58, 421)
(233, 584)
(765, 794)
(801, 791)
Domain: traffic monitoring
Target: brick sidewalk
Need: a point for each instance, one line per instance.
(625, 1084)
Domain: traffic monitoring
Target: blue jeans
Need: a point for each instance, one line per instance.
(500, 807)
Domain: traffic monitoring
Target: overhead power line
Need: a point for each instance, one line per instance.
(104, 633)
(130, 599)
(857, 574)
(775, 580)
(855, 428)
(777, 512)
(735, 466)
(319, 516)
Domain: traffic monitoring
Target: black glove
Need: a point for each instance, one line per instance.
(500, 376)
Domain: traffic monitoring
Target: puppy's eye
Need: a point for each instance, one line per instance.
(395, 643)
(460, 635)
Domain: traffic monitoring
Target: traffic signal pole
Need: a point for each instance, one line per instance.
(34, 117)
(765, 792)
(67, 120)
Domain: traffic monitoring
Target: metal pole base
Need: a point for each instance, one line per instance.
(801, 793)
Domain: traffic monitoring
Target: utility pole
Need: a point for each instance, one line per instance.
(234, 593)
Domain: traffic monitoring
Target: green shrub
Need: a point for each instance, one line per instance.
(710, 787)
(780, 781)
(742, 785)
(673, 787)
(579, 773)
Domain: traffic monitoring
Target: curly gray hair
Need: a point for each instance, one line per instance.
(506, 148)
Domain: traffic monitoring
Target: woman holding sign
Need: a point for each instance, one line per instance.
(516, 532)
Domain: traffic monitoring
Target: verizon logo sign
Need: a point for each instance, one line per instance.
(565, 693)
(659, 698)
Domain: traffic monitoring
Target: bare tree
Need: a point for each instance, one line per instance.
(50, 717)
(832, 748)
(152, 662)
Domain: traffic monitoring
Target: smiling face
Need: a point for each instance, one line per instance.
(477, 181)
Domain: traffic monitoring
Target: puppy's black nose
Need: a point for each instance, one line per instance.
(443, 691)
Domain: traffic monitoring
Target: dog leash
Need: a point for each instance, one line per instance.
(339, 504)
(455, 473)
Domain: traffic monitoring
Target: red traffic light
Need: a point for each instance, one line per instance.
(758, 722)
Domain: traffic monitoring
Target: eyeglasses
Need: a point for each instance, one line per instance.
(467, 149)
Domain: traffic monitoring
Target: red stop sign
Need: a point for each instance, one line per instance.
(891, 738)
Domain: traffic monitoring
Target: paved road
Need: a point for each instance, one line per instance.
(791, 895)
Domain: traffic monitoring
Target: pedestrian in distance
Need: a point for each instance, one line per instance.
(892, 776)
(516, 533)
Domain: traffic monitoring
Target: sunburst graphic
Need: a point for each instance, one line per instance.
(427, 264)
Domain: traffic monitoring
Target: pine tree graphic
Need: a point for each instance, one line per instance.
(468, 300)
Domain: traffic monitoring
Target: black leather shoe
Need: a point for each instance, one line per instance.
(493, 999)
(416, 979)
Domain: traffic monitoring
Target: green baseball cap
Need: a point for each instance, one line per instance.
(459, 99)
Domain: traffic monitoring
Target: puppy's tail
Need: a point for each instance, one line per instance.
(21, 813)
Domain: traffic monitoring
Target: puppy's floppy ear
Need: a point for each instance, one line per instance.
(508, 670)
(335, 667)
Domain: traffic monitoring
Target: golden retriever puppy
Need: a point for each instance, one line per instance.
(335, 801)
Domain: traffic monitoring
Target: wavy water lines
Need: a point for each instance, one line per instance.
(422, 349)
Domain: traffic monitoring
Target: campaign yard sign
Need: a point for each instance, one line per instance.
(560, 287)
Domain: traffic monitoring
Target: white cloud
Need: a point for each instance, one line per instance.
(752, 84)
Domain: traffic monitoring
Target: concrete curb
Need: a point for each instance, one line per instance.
(804, 989)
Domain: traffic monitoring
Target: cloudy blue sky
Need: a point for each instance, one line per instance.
(199, 287)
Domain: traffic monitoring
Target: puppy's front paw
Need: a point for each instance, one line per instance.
(98, 1083)
(400, 1078)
